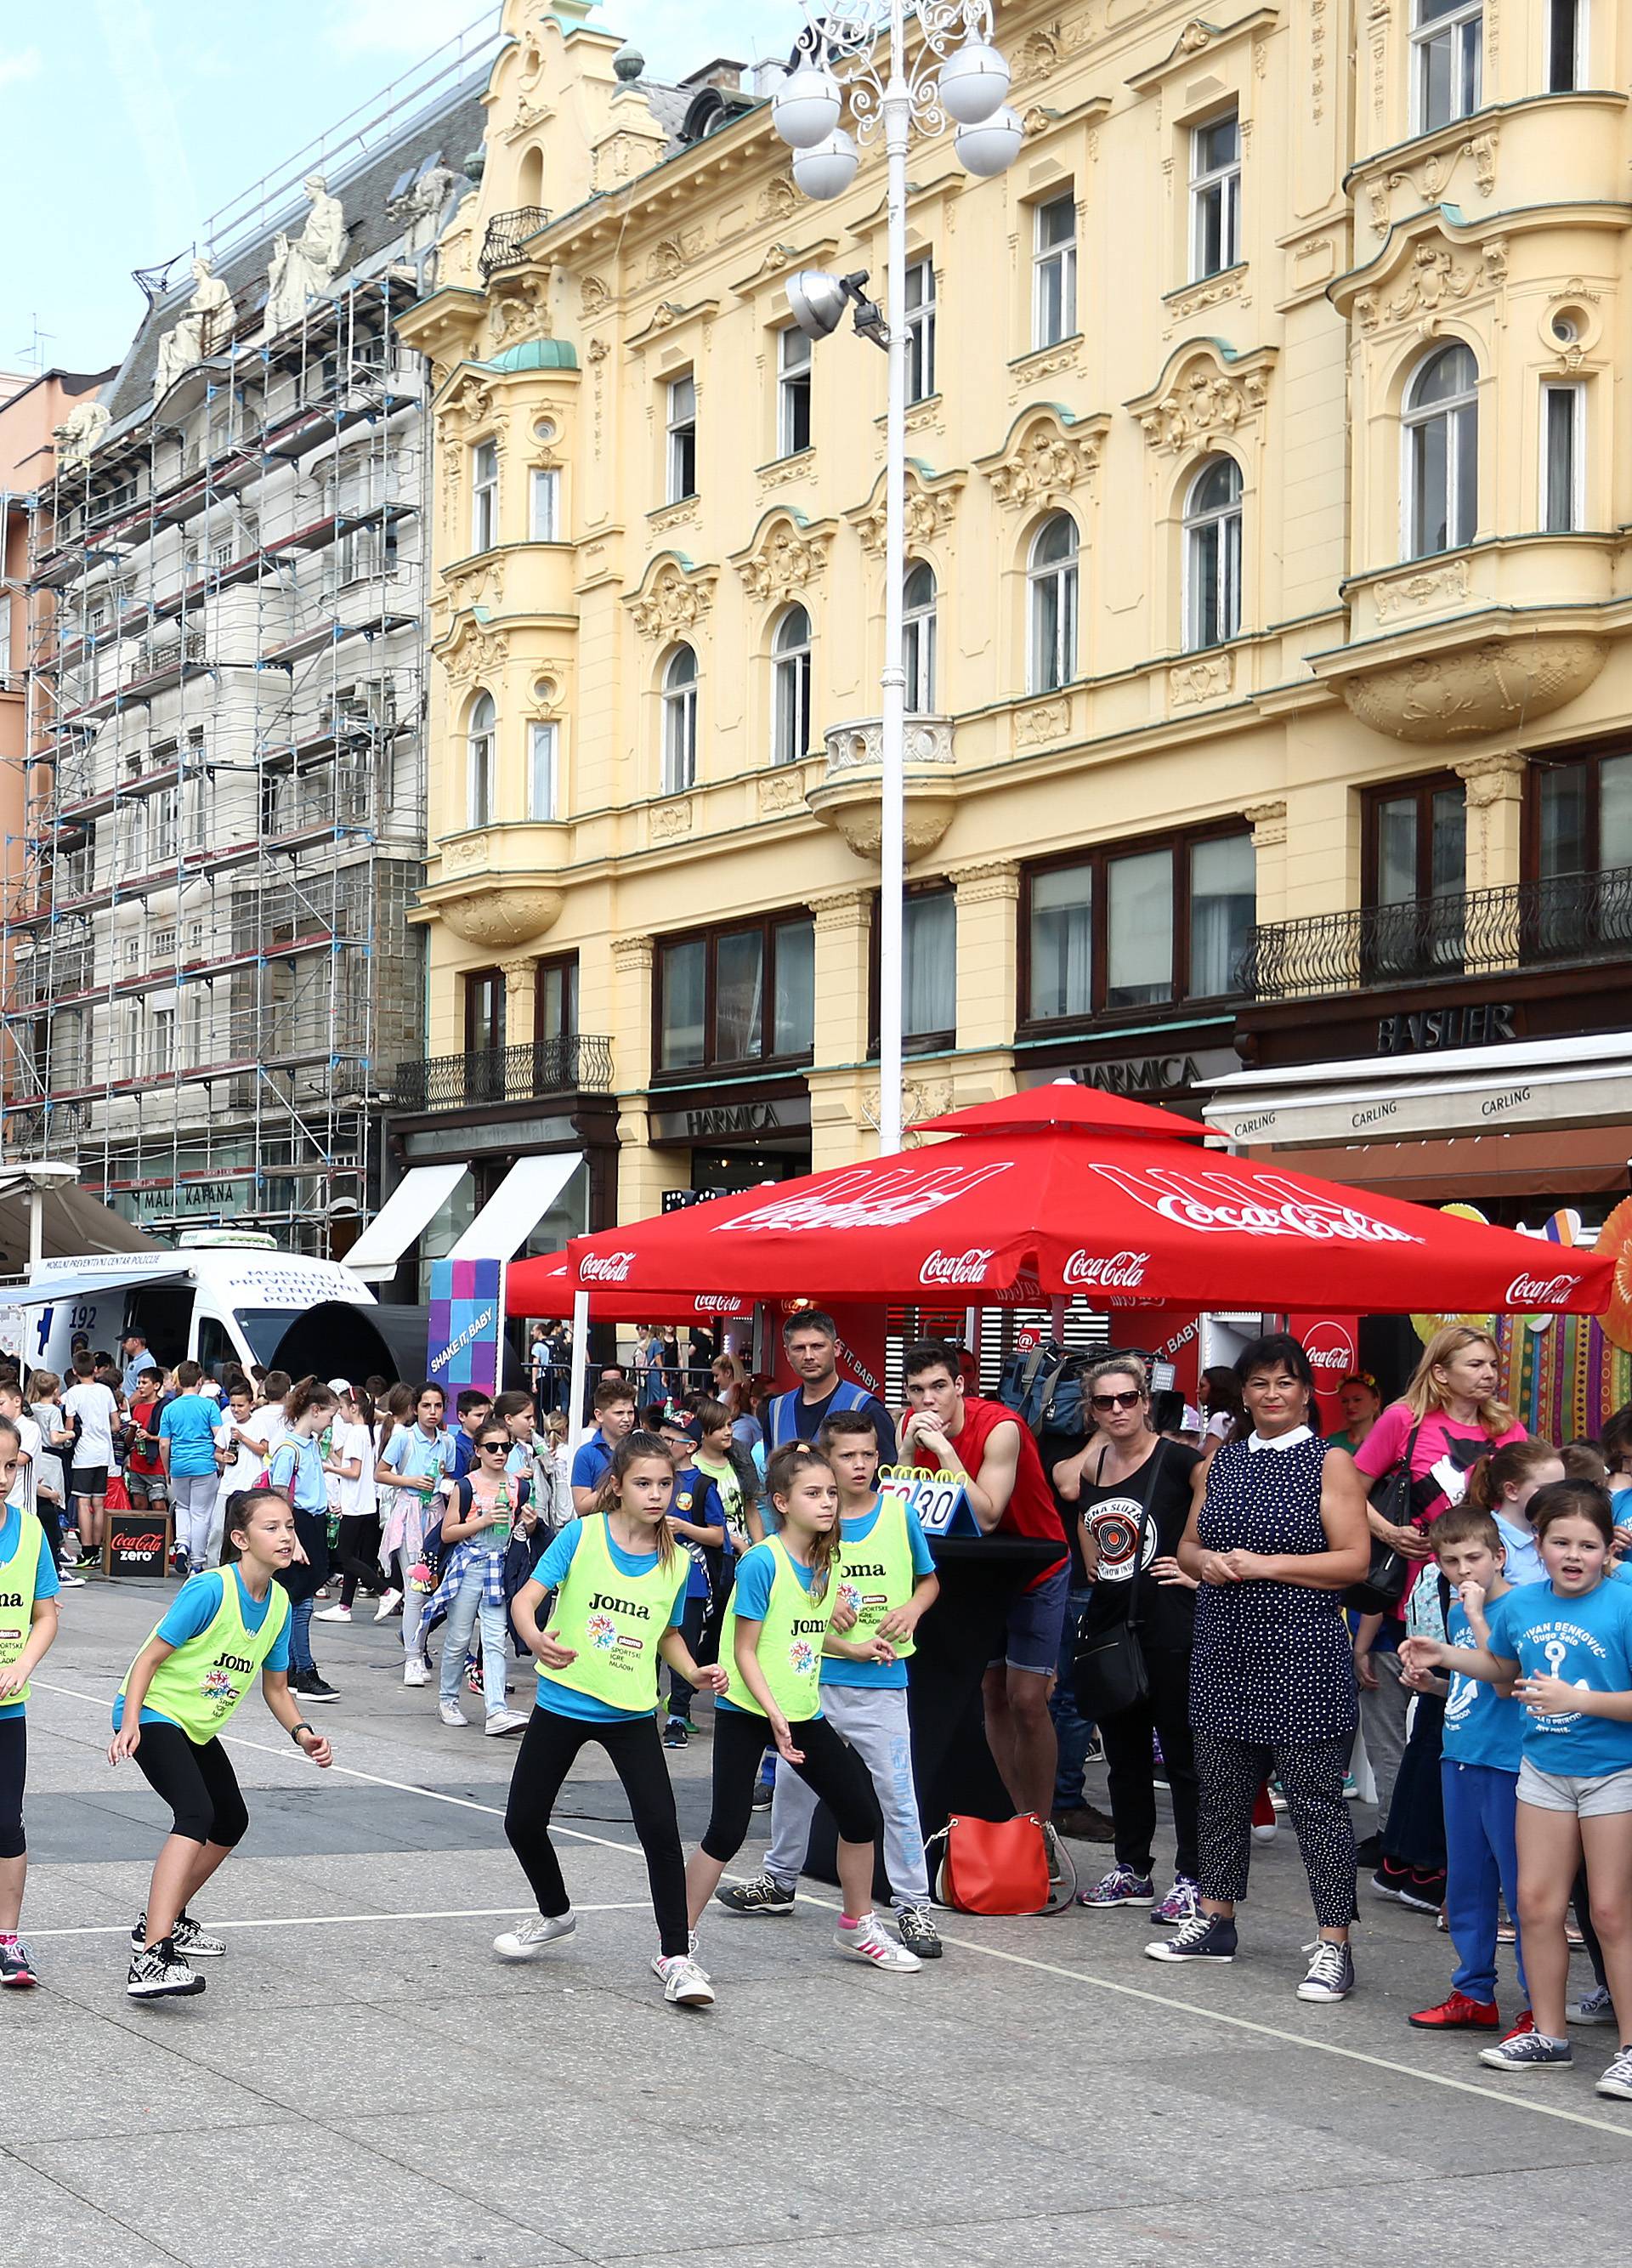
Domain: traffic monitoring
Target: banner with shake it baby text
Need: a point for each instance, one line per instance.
(466, 1325)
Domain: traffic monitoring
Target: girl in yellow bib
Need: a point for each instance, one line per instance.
(226, 1625)
(619, 1579)
(772, 1639)
(28, 1589)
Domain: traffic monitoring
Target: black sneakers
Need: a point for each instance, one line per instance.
(17, 1969)
(1208, 1937)
(761, 1897)
(159, 1972)
(312, 1686)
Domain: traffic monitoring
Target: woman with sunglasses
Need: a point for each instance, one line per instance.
(482, 1506)
(1132, 1489)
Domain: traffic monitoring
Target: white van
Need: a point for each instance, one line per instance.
(226, 1299)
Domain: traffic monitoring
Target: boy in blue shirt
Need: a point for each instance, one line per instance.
(1479, 1774)
(1565, 1648)
(187, 1453)
(887, 1584)
(614, 1421)
(698, 1518)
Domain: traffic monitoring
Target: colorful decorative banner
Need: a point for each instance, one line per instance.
(466, 1325)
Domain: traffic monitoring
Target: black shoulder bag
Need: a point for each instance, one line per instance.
(1388, 1577)
(1109, 1667)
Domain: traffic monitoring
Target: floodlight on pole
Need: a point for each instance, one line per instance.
(954, 75)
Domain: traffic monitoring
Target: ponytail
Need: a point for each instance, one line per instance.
(609, 1491)
(787, 1465)
(1507, 1468)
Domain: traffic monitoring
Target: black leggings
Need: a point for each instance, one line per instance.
(549, 1747)
(356, 1550)
(832, 1771)
(1130, 1768)
(198, 1783)
(13, 1771)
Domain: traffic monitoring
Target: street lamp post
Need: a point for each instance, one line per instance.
(956, 74)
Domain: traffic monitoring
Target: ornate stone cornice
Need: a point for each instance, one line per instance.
(631, 956)
(841, 909)
(1048, 456)
(673, 597)
(1499, 778)
(787, 554)
(1267, 822)
(472, 649)
(1204, 394)
(932, 503)
(990, 881)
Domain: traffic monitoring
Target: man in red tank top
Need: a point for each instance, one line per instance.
(1008, 1491)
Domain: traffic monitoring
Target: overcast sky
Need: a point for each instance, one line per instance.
(125, 124)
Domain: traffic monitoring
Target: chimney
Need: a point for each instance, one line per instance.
(722, 73)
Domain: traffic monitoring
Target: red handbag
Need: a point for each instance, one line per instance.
(994, 1866)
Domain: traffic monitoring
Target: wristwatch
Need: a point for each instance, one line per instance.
(294, 1731)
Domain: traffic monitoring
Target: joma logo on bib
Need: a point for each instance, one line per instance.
(877, 1574)
(610, 1604)
(817, 1627)
(11, 1599)
(235, 1661)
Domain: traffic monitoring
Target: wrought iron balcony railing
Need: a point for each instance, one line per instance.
(1567, 920)
(507, 233)
(580, 1064)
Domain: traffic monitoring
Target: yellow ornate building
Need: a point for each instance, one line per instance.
(1267, 601)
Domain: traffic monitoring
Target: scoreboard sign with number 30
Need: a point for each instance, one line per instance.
(938, 1498)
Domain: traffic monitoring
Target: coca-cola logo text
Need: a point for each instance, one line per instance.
(868, 1198)
(604, 1267)
(149, 1544)
(1116, 1270)
(1540, 1291)
(1243, 1204)
(1331, 1352)
(969, 1267)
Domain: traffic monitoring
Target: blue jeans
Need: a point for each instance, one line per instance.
(1481, 1866)
(1073, 1729)
(301, 1635)
(468, 1604)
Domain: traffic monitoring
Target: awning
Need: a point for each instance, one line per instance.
(1567, 1162)
(405, 1215)
(516, 1207)
(1541, 1083)
(73, 1222)
(44, 1290)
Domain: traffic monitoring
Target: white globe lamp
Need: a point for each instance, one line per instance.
(828, 169)
(987, 148)
(804, 108)
(973, 80)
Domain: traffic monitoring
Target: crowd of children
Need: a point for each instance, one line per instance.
(791, 1592)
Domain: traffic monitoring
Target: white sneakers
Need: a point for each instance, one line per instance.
(868, 1942)
(389, 1602)
(450, 1713)
(334, 1615)
(502, 1721)
(532, 1934)
(684, 1983)
(416, 1670)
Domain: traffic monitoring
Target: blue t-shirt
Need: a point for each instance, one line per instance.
(415, 1455)
(297, 1466)
(697, 1501)
(1522, 1560)
(45, 1583)
(1480, 1727)
(590, 1461)
(837, 1669)
(1587, 1642)
(195, 1606)
(566, 1700)
(756, 1572)
(188, 1423)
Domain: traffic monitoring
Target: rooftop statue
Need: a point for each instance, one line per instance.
(303, 267)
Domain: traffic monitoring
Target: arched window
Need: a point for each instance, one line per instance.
(1051, 591)
(790, 675)
(482, 746)
(680, 721)
(530, 181)
(1442, 452)
(918, 638)
(1212, 554)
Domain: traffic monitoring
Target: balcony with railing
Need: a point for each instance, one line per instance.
(580, 1063)
(1563, 922)
(507, 233)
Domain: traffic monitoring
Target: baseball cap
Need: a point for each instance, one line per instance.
(340, 1385)
(674, 1421)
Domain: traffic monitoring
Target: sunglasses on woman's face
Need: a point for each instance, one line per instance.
(493, 1445)
(1129, 1401)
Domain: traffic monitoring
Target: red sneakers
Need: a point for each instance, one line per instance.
(1458, 2014)
(1526, 2023)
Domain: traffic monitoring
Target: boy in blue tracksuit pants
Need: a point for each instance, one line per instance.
(1479, 1772)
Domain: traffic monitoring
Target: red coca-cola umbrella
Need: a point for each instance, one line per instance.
(544, 1286)
(1065, 1189)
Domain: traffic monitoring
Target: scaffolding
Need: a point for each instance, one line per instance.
(207, 970)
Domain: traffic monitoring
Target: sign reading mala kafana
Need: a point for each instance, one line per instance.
(138, 1544)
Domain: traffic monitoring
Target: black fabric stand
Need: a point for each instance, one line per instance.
(981, 1579)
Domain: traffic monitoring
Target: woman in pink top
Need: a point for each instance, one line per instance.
(1451, 1404)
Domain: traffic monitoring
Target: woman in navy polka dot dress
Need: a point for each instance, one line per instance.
(1277, 1530)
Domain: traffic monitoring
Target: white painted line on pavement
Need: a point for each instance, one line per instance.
(1487, 2094)
(322, 1921)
